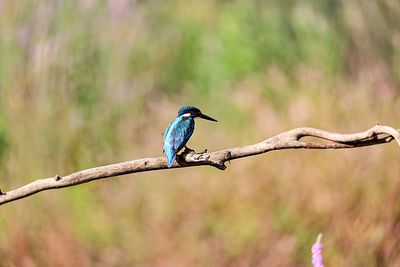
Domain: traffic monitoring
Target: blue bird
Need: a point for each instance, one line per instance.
(180, 130)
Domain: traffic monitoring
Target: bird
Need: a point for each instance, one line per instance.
(180, 130)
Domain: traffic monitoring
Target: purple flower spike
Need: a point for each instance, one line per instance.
(317, 253)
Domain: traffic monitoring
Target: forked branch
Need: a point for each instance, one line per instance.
(287, 140)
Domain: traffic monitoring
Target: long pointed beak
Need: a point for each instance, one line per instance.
(206, 117)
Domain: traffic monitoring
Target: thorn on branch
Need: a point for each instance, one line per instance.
(57, 178)
(388, 139)
(219, 165)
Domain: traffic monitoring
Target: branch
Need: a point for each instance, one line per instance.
(287, 140)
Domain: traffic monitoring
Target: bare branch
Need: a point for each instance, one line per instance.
(287, 140)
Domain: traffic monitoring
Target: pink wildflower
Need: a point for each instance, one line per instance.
(317, 253)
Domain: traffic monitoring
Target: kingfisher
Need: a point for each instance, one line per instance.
(180, 130)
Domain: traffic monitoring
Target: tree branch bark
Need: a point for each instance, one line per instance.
(287, 140)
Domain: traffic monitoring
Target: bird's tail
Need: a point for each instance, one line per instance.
(171, 161)
(170, 153)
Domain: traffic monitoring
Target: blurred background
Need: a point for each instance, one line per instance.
(92, 82)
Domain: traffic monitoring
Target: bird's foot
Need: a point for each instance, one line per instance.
(188, 150)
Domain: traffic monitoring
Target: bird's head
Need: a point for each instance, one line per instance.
(193, 112)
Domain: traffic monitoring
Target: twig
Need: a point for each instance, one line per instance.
(287, 140)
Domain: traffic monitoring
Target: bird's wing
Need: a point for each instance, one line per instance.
(182, 133)
(169, 135)
(169, 142)
(165, 135)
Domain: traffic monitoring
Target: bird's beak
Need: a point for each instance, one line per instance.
(206, 117)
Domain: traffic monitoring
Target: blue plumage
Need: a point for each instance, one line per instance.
(180, 130)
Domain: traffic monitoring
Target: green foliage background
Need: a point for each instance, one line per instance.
(92, 82)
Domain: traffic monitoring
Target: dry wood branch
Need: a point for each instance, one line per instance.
(287, 140)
